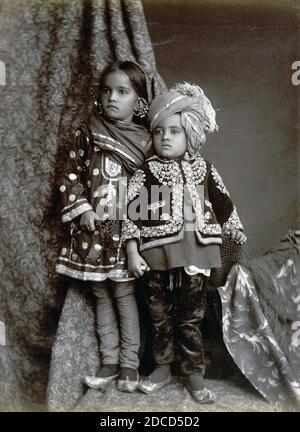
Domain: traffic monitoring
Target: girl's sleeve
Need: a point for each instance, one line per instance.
(223, 207)
(71, 184)
(130, 229)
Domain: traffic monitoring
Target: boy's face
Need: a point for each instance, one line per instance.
(118, 97)
(169, 138)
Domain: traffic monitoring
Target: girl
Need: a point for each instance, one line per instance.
(183, 207)
(107, 149)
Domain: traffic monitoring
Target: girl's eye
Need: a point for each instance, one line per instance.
(123, 92)
(157, 132)
(175, 131)
(105, 91)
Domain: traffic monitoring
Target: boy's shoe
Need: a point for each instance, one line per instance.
(148, 385)
(128, 380)
(202, 394)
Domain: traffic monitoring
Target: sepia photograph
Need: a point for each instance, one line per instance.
(150, 208)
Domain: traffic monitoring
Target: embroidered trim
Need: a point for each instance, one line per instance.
(77, 211)
(161, 241)
(88, 267)
(110, 169)
(209, 240)
(166, 173)
(129, 230)
(199, 170)
(187, 169)
(72, 205)
(98, 277)
(135, 183)
(219, 182)
(212, 229)
(233, 222)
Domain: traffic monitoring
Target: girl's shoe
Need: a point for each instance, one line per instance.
(105, 376)
(99, 383)
(128, 380)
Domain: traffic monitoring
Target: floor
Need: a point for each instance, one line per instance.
(233, 395)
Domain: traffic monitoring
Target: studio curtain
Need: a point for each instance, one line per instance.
(52, 54)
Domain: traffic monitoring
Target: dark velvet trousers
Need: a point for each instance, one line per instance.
(176, 304)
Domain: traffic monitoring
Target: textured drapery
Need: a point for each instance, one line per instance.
(54, 52)
(261, 321)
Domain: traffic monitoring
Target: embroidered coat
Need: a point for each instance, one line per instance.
(156, 195)
(102, 158)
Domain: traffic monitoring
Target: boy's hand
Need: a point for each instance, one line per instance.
(136, 264)
(88, 219)
(235, 235)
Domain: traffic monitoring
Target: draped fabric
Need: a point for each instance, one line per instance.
(261, 321)
(54, 52)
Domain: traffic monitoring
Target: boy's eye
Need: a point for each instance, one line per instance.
(105, 91)
(122, 92)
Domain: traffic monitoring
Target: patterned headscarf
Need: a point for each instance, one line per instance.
(198, 117)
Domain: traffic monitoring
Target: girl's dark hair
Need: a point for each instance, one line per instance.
(135, 74)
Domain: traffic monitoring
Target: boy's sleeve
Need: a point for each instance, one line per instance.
(71, 185)
(223, 207)
(130, 229)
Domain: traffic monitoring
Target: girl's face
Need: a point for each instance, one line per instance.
(118, 97)
(169, 138)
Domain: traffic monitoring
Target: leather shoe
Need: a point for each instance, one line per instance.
(100, 383)
(147, 386)
(203, 396)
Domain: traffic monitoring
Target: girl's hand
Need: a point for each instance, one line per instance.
(137, 265)
(236, 235)
(88, 219)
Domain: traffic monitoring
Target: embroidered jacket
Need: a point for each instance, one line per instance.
(156, 198)
(103, 155)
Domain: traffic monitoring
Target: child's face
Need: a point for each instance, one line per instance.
(169, 138)
(118, 97)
